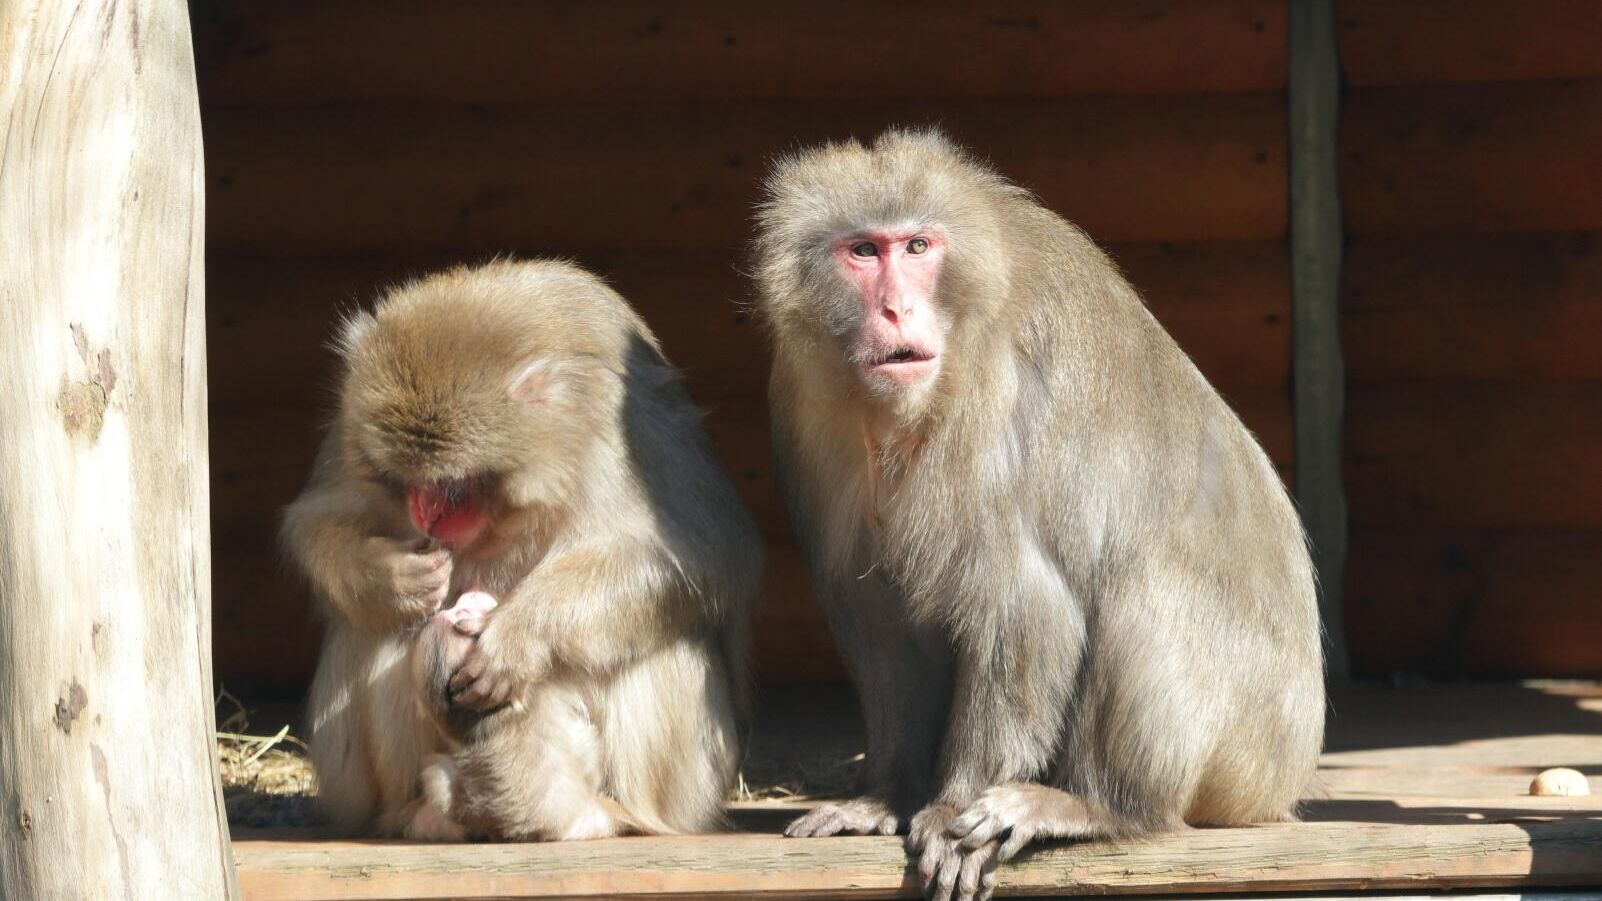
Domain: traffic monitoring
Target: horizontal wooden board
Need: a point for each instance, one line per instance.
(1424, 789)
(1474, 455)
(1473, 308)
(587, 178)
(1275, 858)
(1472, 158)
(1383, 42)
(499, 51)
(1479, 602)
(269, 319)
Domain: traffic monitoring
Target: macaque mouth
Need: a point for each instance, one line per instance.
(900, 355)
(450, 510)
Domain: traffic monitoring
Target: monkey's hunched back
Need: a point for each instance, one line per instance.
(1070, 532)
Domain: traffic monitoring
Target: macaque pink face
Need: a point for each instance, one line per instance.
(452, 512)
(894, 272)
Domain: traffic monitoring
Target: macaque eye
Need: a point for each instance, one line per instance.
(865, 249)
(917, 245)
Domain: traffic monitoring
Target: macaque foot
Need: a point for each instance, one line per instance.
(431, 819)
(859, 816)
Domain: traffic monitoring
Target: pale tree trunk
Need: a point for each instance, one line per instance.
(108, 778)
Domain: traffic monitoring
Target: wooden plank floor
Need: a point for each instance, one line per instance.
(1424, 789)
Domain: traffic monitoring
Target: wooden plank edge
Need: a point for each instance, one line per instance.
(1277, 858)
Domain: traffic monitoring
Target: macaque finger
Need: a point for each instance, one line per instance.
(975, 864)
(469, 625)
(467, 673)
(424, 564)
(1020, 837)
(948, 866)
(977, 834)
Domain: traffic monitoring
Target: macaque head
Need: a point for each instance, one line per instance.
(468, 393)
(886, 257)
(439, 649)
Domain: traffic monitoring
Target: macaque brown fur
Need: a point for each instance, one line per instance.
(513, 429)
(1070, 588)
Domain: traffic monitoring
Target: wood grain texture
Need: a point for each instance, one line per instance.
(1447, 41)
(1474, 308)
(1477, 158)
(666, 51)
(107, 758)
(1277, 858)
(1491, 455)
(1424, 788)
(1487, 602)
(629, 177)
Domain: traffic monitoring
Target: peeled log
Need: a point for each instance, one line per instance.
(108, 777)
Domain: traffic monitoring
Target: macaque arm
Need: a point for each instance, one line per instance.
(1017, 658)
(334, 532)
(594, 608)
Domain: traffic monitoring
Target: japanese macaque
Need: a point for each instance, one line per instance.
(1073, 595)
(511, 434)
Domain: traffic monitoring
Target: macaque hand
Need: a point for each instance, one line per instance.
(416, 574)
(858, 816)
(499, 667)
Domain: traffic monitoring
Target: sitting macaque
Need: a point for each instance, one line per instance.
(1071, 590)
(511, 434)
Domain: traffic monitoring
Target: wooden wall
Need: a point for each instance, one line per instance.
(351, 143)
(1471, 178)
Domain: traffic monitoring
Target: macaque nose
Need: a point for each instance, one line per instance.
(895, 308)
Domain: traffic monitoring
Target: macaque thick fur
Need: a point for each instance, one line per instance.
(1069, 586)
(511, 434)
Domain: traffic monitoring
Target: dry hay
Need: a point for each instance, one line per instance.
(268, 781)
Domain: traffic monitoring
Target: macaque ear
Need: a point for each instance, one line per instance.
(536, 382)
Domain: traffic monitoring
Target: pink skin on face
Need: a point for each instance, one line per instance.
(457, 523)
(899, 339)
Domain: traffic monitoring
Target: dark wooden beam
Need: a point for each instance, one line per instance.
(1315, 236)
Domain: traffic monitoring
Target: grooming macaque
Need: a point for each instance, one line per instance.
(1069, 586)
(510, 436)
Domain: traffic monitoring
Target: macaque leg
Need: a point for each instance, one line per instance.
(902, 673)
(670, 746)
(431, 820)
(347, 790)
(365, 738)
(533, 774)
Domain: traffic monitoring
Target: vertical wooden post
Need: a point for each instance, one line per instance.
(108, 774)
(1315, 229)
